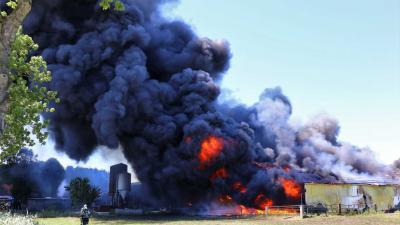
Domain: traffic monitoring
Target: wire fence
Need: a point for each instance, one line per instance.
(350, 208)
(319, 209)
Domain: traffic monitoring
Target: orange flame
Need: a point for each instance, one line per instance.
(239, 187)
(211, 147)
(291, 188)
(228, 207)
(243, 210)
(222, 173)
(282, 211)
(261, 201)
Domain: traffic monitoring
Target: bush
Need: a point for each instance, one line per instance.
(15, 219)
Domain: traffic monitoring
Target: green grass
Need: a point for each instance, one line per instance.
(369, 219)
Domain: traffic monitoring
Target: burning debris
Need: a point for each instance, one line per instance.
(137, 80)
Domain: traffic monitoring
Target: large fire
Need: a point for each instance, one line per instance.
(211, 147)
(261, 201)
(242, 210)
(292, 188)
(228, 207)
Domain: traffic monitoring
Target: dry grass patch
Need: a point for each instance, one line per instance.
(369, 219)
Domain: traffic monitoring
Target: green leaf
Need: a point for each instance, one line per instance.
(22, 120)
(119, 6)
(107, 4)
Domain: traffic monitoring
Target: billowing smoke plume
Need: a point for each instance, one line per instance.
(23, 176)
(136, 80)
(312, 147)
(26, 177)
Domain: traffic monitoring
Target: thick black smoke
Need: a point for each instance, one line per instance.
(137, 80)
(26, 177)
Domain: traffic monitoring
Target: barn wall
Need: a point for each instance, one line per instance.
(353, 195)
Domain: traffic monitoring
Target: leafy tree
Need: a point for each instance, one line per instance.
(23, 156)
(27, 98)
(81, 192)
(22, 93)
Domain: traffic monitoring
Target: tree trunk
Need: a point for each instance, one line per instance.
(8, 28)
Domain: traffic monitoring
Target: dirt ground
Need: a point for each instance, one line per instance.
(369, 219)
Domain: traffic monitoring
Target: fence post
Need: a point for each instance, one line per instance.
(301, 211)
(266, 211)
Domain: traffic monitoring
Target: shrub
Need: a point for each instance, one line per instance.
(16, 219)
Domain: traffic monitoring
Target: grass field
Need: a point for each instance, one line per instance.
(370, 219)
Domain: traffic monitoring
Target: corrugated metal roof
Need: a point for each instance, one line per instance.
(360, 183)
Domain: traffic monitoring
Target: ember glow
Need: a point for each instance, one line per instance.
(211, 147)
(226, 199)
(291, 188)
(188, 139)
(239, 187)
(220, 173)
(286, 169)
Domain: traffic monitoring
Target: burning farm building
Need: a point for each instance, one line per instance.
(136, 81)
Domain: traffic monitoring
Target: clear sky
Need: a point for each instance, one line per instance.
(340, 57)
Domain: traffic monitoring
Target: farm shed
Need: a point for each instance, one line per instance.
(360, 196)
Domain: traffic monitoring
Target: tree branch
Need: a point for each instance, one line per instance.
(8, 29)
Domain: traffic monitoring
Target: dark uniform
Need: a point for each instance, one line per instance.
(85, 214)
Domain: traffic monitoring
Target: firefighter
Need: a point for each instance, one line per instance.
(85, 214)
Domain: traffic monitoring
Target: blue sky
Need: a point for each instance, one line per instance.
(339, 57)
